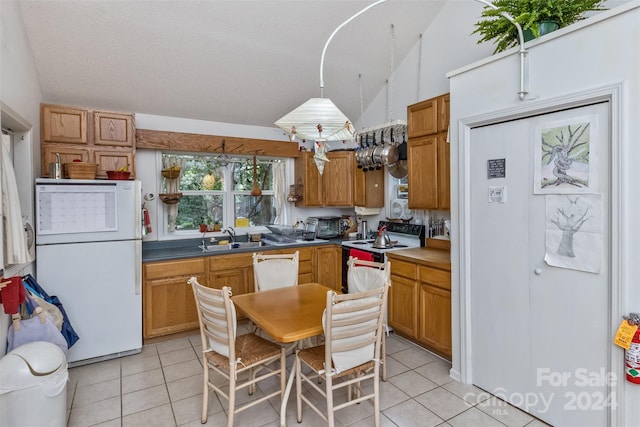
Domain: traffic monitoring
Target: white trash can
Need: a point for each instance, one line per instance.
(33, 386)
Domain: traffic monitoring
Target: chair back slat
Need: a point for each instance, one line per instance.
(217, 317)
(353, 327)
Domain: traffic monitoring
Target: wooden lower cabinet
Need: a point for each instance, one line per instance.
(435, 319)
(420, 305)
(168, 303)
(235, 271)
(403, 306)
(329, 266)
(403, 299)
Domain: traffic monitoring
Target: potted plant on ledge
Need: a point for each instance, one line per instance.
(536, 17)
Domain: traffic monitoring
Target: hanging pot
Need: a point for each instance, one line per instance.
(376, 155)
(402, 149)
(359, 151)
(398, 169)
(389, 155)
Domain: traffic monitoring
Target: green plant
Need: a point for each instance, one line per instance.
(528, 13)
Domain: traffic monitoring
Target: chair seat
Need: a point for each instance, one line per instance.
(314, 358)
(250, 349)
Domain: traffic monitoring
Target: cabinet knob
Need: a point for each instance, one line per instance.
(537, 271)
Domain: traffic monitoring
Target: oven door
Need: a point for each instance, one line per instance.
(347, 252)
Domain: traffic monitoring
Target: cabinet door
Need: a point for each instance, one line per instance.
(422, 118)
(443, 112)
(68, 153)
(109, 160)
(234, 278)
(444, 168)
(369, 188)
(329, 267)
(337, 178)
(168, 302)
(306, 264)
(308, 181)
(403, 298)
(422, 156)
(434, 327)
(114, 129)
(64, 124)
(235, 271)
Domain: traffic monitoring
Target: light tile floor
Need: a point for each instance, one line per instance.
(162, 386)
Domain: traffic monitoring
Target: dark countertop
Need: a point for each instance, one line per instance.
(188, 248)
(436, 258)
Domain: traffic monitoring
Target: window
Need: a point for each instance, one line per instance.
(216, 194)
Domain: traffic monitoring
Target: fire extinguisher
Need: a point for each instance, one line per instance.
(632, 355)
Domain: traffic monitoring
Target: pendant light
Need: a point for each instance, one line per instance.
(319, 119)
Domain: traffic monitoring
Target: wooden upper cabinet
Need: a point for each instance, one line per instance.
(335, 187)
(422, 118)
(444, 172)
(428, 154)
(308, 181)
(113, 159)
(369, 188)
(101, 137)
(422, 154)
(443, 112)
(64, 124)
(337, 178)
(113, 129)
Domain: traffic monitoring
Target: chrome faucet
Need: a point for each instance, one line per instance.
(231, 232)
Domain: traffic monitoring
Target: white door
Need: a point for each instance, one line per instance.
(539, 332)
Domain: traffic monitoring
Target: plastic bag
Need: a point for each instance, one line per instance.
(37, 328)
(67, 330)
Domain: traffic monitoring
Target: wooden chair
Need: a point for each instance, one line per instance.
(365, 275)
(232, 356)
(353, 327)
(272, 272)
(275, 271)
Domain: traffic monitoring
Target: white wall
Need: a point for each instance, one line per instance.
(589, 55)
(20, 94)
(446, 45)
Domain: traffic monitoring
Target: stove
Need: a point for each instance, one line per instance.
(402, 236)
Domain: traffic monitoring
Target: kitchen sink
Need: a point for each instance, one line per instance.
(231, 246)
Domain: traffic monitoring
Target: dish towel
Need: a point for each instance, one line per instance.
(146, 222)
(361, 255)
(12, 294)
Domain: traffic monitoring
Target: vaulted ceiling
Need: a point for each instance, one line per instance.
(234, 61)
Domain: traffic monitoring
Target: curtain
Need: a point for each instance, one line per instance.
(16, 250)
(279, 192)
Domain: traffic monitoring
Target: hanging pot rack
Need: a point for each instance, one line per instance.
(399, 127)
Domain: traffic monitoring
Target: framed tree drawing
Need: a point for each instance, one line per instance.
(565, 156)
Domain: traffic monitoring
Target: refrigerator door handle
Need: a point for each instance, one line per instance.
(138, 286)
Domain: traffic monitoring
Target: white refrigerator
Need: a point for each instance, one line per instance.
(89, 254)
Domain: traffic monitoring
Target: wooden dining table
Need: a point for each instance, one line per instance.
(288, 315)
